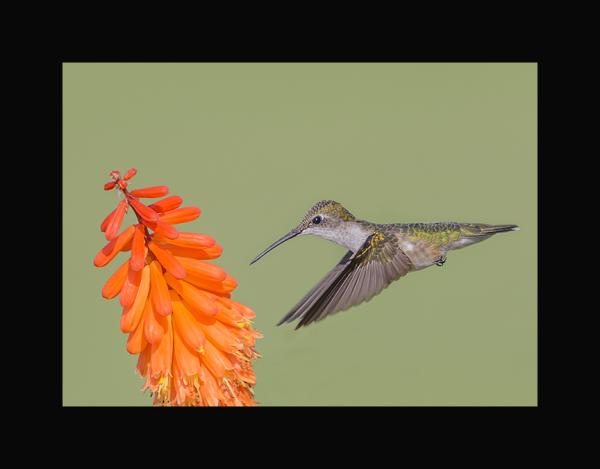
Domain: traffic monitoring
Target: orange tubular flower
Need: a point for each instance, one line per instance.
(195, 344)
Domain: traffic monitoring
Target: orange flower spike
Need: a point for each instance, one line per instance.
(114, 284)
(131, 316)
(195, 344)
(145, 212)
(159, 291)
(180, 215)
(155, 325)
(168, 261)
(109, 252)
(138, 249)
(130, 288)
(150, 192)
(169, 203)
(116, 220)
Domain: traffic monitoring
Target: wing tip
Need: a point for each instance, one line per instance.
(289, 317)
(304, 321)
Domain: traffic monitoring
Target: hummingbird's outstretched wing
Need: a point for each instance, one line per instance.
(356, 278)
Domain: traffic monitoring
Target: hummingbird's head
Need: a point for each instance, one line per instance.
(323, 219)
(324, 216)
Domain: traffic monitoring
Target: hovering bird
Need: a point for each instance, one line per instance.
(377, 255)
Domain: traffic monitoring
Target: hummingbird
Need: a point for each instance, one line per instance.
(377, 255)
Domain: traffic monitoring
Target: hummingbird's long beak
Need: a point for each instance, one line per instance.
(281, 240)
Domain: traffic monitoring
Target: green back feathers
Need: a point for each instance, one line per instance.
(438, 234)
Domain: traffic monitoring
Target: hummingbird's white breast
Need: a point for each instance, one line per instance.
(349, 234)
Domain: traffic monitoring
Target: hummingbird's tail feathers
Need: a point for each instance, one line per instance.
(471, 233)
(502, 228)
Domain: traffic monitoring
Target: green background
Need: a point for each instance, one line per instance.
(255, 145)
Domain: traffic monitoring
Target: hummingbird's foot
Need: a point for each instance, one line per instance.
(440, 261)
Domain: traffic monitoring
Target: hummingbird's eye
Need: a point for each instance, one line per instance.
(317, 220)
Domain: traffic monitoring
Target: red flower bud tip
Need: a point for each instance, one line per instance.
(129, 174)
(109, 185)
(143, 211)
(116, 175)
(150, 192)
